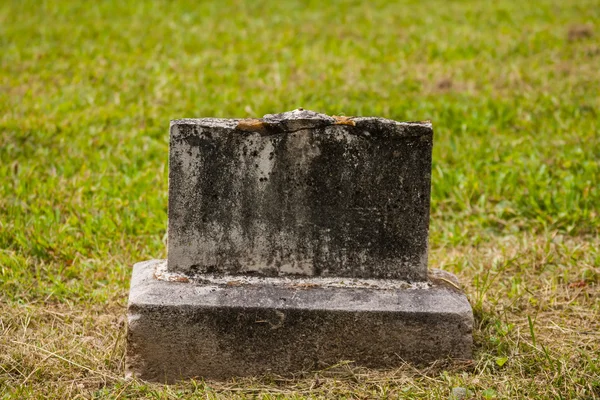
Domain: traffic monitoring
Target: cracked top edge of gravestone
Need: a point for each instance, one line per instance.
(300, 119)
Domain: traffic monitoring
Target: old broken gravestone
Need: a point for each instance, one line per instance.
(295, 241)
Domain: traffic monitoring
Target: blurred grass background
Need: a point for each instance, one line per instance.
(87, 90)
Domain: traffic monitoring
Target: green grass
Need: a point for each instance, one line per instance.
(87, 90)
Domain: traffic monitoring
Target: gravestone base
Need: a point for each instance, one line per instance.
(217, 327)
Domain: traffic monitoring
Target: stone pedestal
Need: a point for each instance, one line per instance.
(296, 241)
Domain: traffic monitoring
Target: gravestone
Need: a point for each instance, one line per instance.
(295, 241)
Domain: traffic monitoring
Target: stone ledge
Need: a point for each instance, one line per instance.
(184, 330)
(162, 273)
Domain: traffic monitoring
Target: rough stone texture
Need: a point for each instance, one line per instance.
(183, 330)
(300, 193)
(296, 241)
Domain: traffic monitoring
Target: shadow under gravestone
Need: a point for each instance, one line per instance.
(296, 241)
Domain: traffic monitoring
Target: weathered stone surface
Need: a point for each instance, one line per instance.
(296, 241)
(183, 330)
(300, 193)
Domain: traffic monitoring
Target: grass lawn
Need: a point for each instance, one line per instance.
(87, 90)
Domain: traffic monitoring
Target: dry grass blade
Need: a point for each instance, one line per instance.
(54, 354)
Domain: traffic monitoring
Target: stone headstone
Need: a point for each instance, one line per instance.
(300, 193)
(295, 241)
